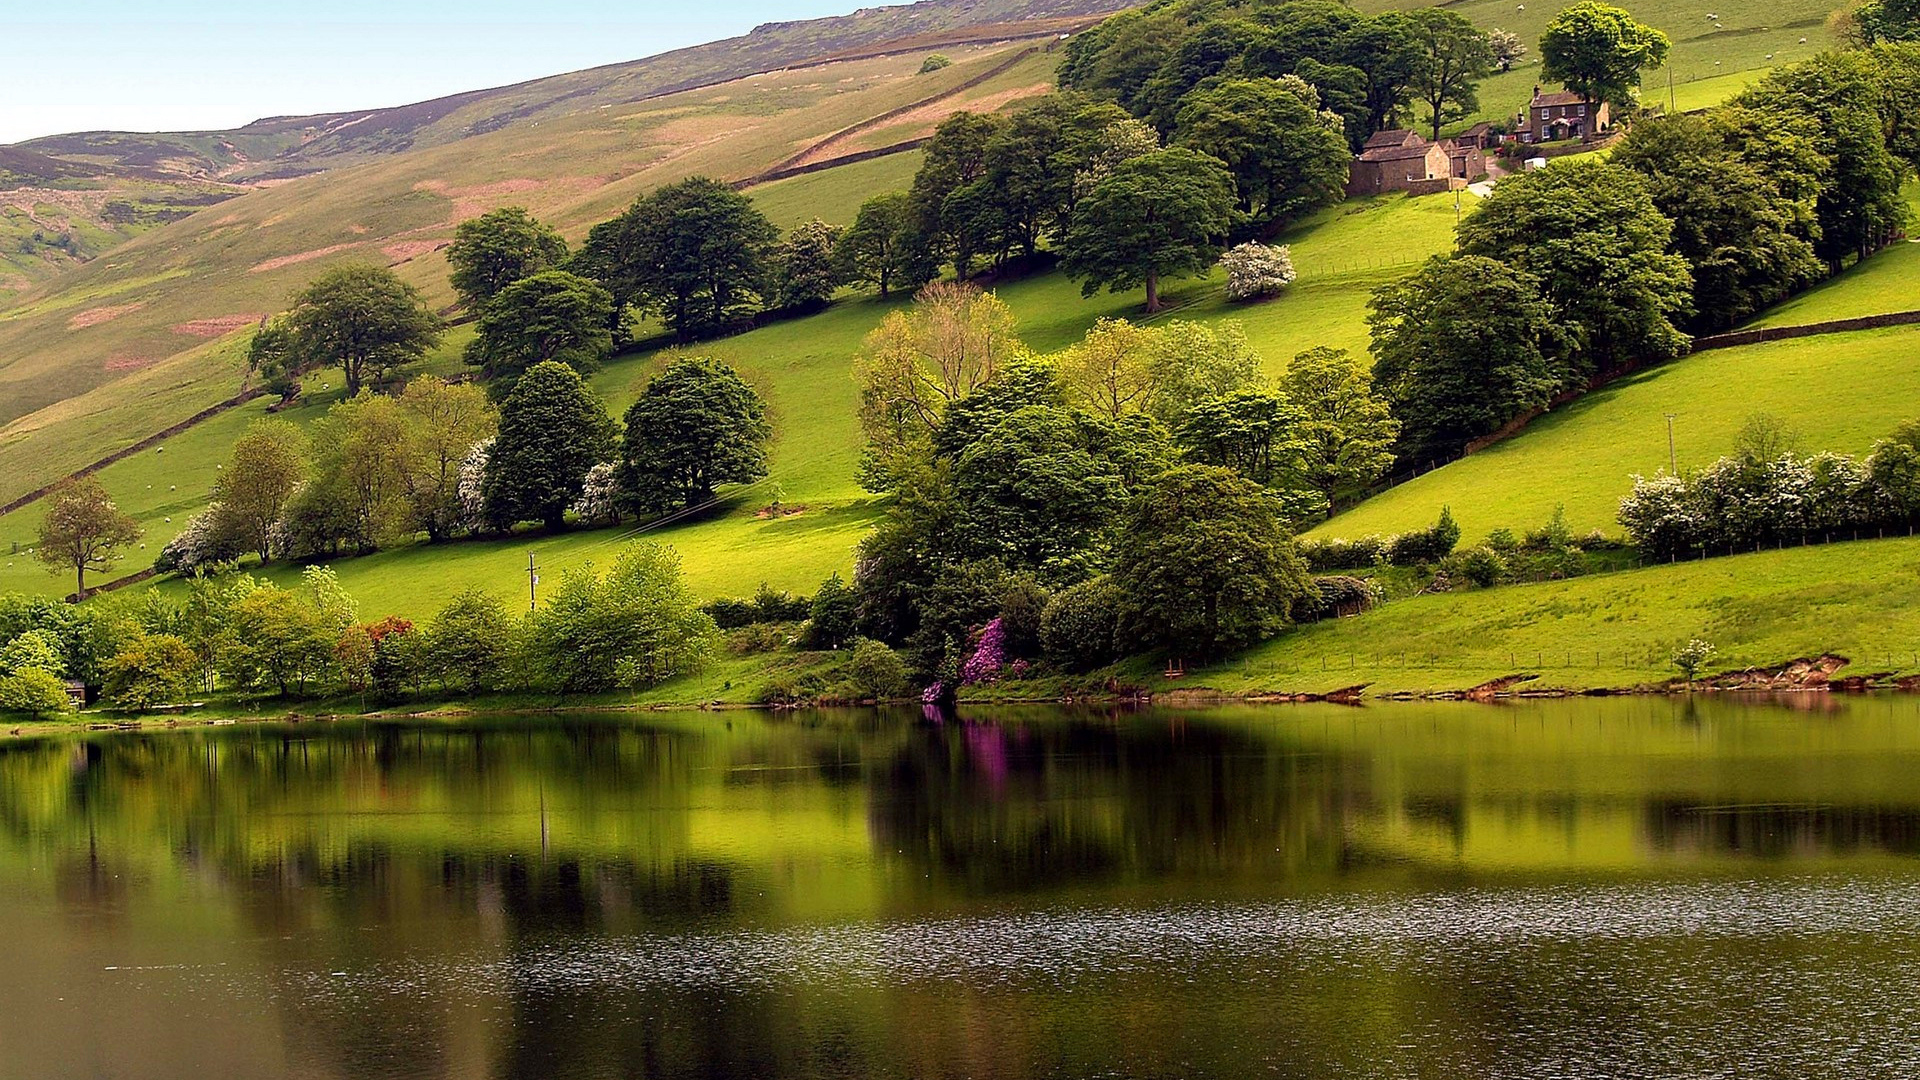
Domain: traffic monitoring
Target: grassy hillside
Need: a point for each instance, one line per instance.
(1858, 600)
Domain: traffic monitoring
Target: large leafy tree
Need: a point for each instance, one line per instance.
(637, 626)
(949, 203)
(1038, 493)
(498, 248)
(1286, 156)
(1598, 51)
(360, 317)
(805, 270)
(443, 423)
(552, 315)
(1744, 226)
(696, 426)
(884, 247)
(1156, 216)
(262, 473)
(1457, 55)
(553, 428)
(1879, 22)
(83, 530)
(1461, 347)
(1248, 431)
(1205, 565)
(696, 252)
(1345, 429)
(1589, 232)
(359, 482)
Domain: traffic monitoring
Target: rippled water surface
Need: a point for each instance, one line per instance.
(1552, 890)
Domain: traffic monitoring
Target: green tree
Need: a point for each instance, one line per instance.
(552, 315)
(1193, 362)
(553, 428)
(1248, 431)
(470, 642)
(153, 669)
(498, 248)
(696, 252)
(362, 318)
(443, 422)
(1880, 22)
(1037, 493)
(806, 271)
(1345, 429)
(38, 650)
(34, 692)
(1457, 56)
(262, 473)
(1460, 347)
(696, 426)
(883, 247)
(270, 353)
(83, 530)
(636, 627)
(1205, 565)
(283, 639)
(360, 471)
(953, 161)
(1286, 156)
(1738, 223)
(1160, 215)
(1598, 51)
(1574, 227)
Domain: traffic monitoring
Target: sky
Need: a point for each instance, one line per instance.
(184, 65)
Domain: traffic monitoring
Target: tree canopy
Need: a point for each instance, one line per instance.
(695, 252)
(83, 530)
(1160, 215)
(551, 315)
(696, 426)
(1598, 51)
(498, 248)
(360, 317)
(553, 428)
(1286, 156)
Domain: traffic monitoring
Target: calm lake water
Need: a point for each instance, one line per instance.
(1628, 888)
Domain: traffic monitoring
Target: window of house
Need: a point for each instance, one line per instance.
(1583, 111)
(1546, 114)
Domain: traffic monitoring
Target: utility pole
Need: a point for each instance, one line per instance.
(533, 581)
(1672, 104)
(1673, 465)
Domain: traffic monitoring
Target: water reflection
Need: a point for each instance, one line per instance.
(1578, 888)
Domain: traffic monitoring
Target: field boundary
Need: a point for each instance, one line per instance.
(123, 454)
(1784, 333)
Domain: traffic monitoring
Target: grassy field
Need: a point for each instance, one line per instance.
(1888, 282)
(1858, 600)
(1839, 391)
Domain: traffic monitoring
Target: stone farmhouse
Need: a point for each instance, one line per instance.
(1401, 160)
(1563, 114)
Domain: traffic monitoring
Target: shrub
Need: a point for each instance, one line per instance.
(1022, 605)
(1079, 626)
(729, 613)
(1693, 656)
(989, 654)
(1327, 555)
(1553, 536)
(1482, 566)
(831, 618)
(599, 501)
(204, 542)
(933, 63)
(772, 607)
(755, 638)
(1428, 545)
(1502, 540)
(151, 670)
(1340, 594)
(876, 671)
(1255, 271)
(35, 692)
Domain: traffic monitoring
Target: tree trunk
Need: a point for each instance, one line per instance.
(80, 581)
(1153, 293)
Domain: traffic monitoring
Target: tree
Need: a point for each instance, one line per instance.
(1880, 22)
(1194, 362)
(270, 353)
(362, 318)
(1248, 431)
(359, 479)
(34, 692)
(83, 530)
(262, 473)
(151, 670)
(918, 363)
(1111, 372)
(283, 639)
(1462, 346)
(552, 315)
(1286, 156)
(954, 160)
(1508, 48)
(636, 627)
(1256, 271)
(1037, 493)
(1743, 226)
(1457, 56)
(553, 428)
(1345, 429)
(695, 252)
(883, 248)
(444, 421)
(1155, 216)
(498, 248)
(1204, 565)
(1589, 232)
(805, 269)
(1598, 51)
(470, 641)
(696, 426)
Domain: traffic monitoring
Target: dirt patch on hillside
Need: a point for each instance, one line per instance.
(127, 361)
(96, 316)
(407, 250)
(290, 260)
(217, 327)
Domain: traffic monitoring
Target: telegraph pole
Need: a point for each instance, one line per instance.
(1673, 465)
(533, 579)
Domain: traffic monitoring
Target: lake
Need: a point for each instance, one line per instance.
(1584, 888)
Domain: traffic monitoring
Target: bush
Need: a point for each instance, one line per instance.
(774, 607)
(877, 671)
(729, 613)
(1426, 545)
(1327, 555)
(34, 692)
(1255, 271)
(1079, 626)
(1339, 595)
(151, 670)
(933, 63)
(1481, 565)
(831, 618)
(755, 638)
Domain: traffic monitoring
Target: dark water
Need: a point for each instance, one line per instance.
(1567, 889)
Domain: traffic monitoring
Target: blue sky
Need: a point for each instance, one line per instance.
(168, 65)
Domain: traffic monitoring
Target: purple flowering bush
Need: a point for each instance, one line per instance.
(989, 655)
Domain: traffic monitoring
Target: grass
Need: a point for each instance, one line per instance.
(1858, 600)
(1839, 392)
(1886, 283)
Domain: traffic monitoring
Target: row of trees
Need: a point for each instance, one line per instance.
(633, 626)
(1694, 224)
(440, 459)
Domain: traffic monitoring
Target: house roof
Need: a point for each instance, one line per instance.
(1480, 128)
(1394, 137)
(1558, 97)
(1397, 153)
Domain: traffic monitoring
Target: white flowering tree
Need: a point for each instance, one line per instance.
(1256, 271)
